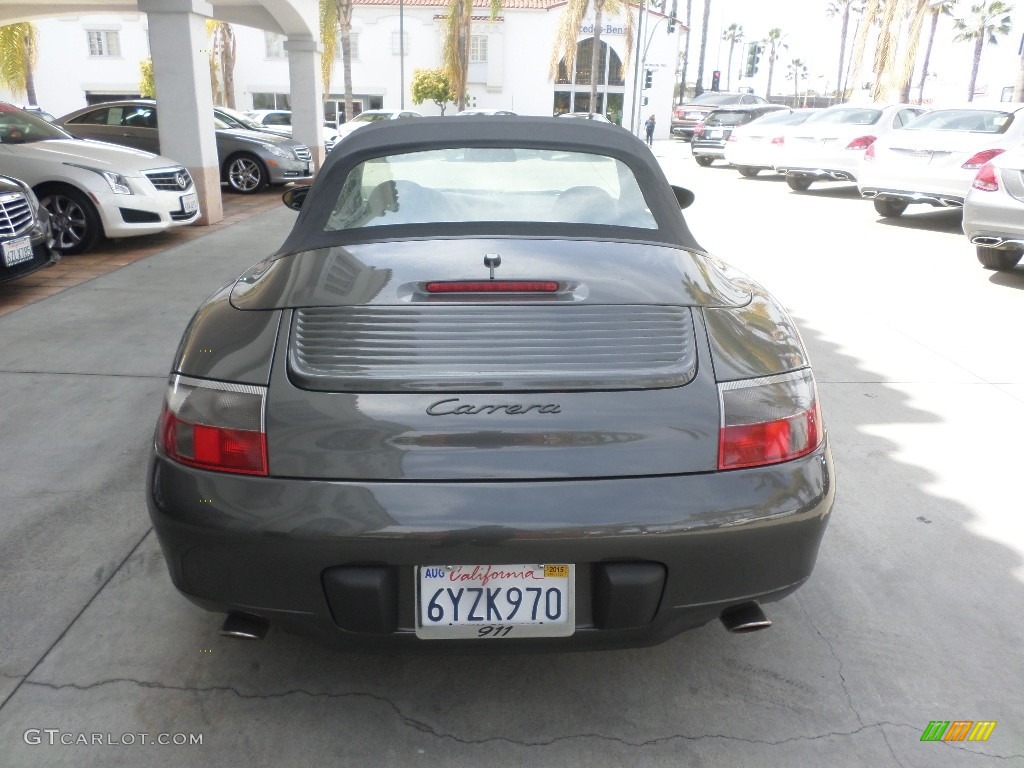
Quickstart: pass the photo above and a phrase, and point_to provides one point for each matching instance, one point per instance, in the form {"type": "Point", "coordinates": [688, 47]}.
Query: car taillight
{"type": "Point", "coordinates": [733, 137]}
{"type": "Point", "coordinates": [869, 153]}
{"type": "Point", "coordinates": [698, 129]}
{"type": "Point", "coordinates": [987, 179]}
{"type": "Point", "coordinates": [779, 140]}
{"type": "Point", "coordinates": [862, 142]}
{"type": "Point", "coordinates": [982, 157]}
{"type": "Point", "coordinates": [215, 425]}
{"type": "Point", "coordinates": [768, 420]}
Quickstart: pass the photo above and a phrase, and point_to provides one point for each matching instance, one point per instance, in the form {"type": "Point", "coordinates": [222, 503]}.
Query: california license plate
{"type": "Point", "coordinates": [495, 601]}
{"type": "Point", "coordinates": [17, 251]}
{"type": "Point", "coordinates": [190, 202]}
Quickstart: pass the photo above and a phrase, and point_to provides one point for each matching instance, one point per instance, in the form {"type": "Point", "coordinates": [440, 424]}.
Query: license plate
{"type": "Point", "coordinates": [715, 133]}
{"type": "Point", "coordinates": [190, 202]}
{"type": "Point", "coordinates": [17, 251]}
{"type": "Point", "coordinates": [495, 601]}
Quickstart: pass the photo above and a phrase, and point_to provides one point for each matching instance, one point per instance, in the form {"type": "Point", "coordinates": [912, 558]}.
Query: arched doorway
{"type": "Point", "coordinates": [572, 86]}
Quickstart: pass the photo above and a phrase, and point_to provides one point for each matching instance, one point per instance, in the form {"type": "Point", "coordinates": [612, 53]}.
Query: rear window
{"type": "Point", "coordinates": [784, 117]}
{"type": "Point", "coordinates": [847, 116]}
{"type": "Point", "coordinates": [728, 118]}
{"type": "Point", "coordinates": [973, 120]}
{"type": "Point", "coordinates": [475, 184]}
{"type": "Point", "coordinates": [717, 98]}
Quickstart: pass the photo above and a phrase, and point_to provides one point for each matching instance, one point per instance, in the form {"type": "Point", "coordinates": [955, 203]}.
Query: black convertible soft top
{"type": "Point", "coordinates": [432, 133]}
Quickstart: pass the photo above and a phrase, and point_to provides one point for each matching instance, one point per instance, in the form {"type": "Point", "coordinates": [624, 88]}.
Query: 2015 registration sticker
{"type": "Point", "coordinates": [495, 601]}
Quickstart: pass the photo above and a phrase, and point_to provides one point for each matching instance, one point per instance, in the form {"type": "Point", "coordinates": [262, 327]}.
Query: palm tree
{"type": "Point", "coordinates": [796, 71]}
{"type": "Point", "coordinates": [732, 35]}
{"type": "Point", "coordinates": [19, 46]}
{"type": "Point", "coordinates": [703, 48]}
{"type": "Point", "coordinates": [686, 52]}
{"type": "Point", "coordinates": [893, 66]}
{"type": "Point", "coordinates": [985, 23]}
{"type": "Point", "coordinates": [842, 8]}
{"type": "Point", "coordinates": [455, 52]}
{"type": "Point", "coordinates": [335, 15]}
{"type": "Point", "coordinates": [222, 58]}
{"type": "Point", "coordinates": [568, 30]}
{"type": "Point", "coordinates": [774, 43]}
{"type": "Point", "coordinates": [939, 7]}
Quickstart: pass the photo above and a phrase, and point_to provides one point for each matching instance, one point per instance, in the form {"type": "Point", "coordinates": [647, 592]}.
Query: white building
{"type": "Point", "coordinates": [89, 58]}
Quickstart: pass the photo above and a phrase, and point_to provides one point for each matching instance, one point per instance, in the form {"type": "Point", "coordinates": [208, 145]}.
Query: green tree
{"type": "Point", "coordinates": [940, 8]}
{"type": "Point", "coordinates": [775, 44]}
{"type": "Point", "coordinates": [568, 30]}
{"type": "Point", "coordinates": [984, 24]}
{"type": "Point", "coordinates": [432, 85]}
{"type": "Point", "coordinates": [335, 27]}
{"type": "Point", "coordinates": [732, 35]}
{"type": "Point", "coordinates": [147, 85]}
{"type": "Point", "coordinates": [19, 49]}
{"type": "Point", "coordinates": [455, 49]}
{"type": "Point", "coordinates": [796, 71]}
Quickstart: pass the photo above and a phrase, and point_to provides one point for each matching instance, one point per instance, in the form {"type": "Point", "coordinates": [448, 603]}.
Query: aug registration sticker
{"type": "Point", "coordinates": [495, 601]}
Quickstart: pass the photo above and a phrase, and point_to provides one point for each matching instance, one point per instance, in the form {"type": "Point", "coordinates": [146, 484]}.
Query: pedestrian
{"type": "Point", "coordinates": [650, 130]}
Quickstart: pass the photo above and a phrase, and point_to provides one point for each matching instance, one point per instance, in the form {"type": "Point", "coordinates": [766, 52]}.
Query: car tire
{"type": "Point", "coordinates": [74, 219]}
{"type": "Point", "coordinates": [246, 174]}
{"type": "Point", "coordinates": [747, 172]}
{"type": "Point", "coordinates": [890, 209]}
{"type": "Point", "coordinates": [703, 161]}
{"type": "Point", "coordinates": [992, 258]}
{"type": "Point", "coordinates": [798, 183]}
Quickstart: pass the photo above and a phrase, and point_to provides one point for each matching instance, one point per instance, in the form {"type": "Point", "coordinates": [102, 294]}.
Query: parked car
{"type": "Point", "coordinates": [686, 116]}
{"type": "Point", "coordinates": [39, 112]}
{"type": "Point", "coordinates": [595, 116]}
{"type": "Point", "coordinates": [709, 137]}
{"type": "Point", "coordinates": [830, 145]}
{"type": "Point", "coordinates": [373, 116]}
{"type": "Point", "coordinates": [277, 121]}
{"type": "Point", "coordinates": [994, 211]}
{"type": "Point", "coordinates": [484, 113]}
{"type": "Point", "coordinates": [26, 242]}
{"type": "Point", "coordinates": [490, 393]}
{"type": "Point", "coordinates": [92, 189]}
{"type": "Point", "coordinates": [935, 159]}
{"type": "Point", "coordinates": [249, 160]}
{"type": "Point", "coordinates": [757, 146]}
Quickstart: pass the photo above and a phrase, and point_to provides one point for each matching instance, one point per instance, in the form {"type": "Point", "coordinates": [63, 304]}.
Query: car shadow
{"type": "Point", "coordinates": [1011, 278]}
{"type": "Point", "coordinates": [944, 220]}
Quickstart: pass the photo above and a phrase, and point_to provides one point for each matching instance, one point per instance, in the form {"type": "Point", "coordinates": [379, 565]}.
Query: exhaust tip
{"type": "Point", "coordinates": [244, 626]}
{"type": "Point", "coordinates": [747, 617]}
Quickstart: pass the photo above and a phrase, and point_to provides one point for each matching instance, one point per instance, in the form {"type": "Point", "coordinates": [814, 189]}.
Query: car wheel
{"type": "Point", "coordinates": [74, 220]}
{"type": "Point", "coordinates": [890, 209]}
{"type": "Point", "coordinates": [798, 183]}
{"type": "Point", "coordinates": [245, 174]}
{"type": "Point", "coordinates": [991, 258]}
{"type": "Point", "coordinates": [703, 161]}
{"type": "Point", "coordinates": [747, 172]}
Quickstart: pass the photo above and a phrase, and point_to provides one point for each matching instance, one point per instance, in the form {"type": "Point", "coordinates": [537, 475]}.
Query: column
{"type": "Point", "coordinates": [306, 85]}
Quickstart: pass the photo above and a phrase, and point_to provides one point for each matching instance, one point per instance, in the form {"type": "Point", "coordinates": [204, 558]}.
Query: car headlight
{"type": "Point", "coordinates": [279, 151]}
{"type": "Point", "coordinates": [27, 191]}
{"type": "Point", "coordinates": [118, 183]}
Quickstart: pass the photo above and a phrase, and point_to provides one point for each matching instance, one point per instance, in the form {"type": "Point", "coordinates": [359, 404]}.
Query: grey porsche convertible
{"type": "Point", "coordinates": [490, 394]}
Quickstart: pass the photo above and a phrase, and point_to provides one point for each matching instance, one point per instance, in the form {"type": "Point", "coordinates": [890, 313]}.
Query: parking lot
{"type": "Point", "coordinates": [911, 616]}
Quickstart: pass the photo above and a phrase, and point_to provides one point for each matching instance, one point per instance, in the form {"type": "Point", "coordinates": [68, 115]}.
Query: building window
{"type": "Point", "coordinates": [478, 49]}
{"type": "Point", "coordinates": [270, 101]}
{"type": "Point", "coordinates": [397, 43]}
{"type": "Point", "coordinates": [353, 45]}
{"type": "Point", "coordinates": [274, 45]}
{"type": "Point", "coordinates": [104, 42]}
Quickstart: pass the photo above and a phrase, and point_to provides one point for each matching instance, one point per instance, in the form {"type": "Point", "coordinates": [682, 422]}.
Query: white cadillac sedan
{"type": "Point", "coordinates": [831, 144]}
{"type": "Point", "coordinates": [994, 211]}
{"type": "Point", "coordinates": [90, 188]}
{"type": "Point", "coordinates": [757, 146]}
{"type": "Point", "coordinates": [934, 159]}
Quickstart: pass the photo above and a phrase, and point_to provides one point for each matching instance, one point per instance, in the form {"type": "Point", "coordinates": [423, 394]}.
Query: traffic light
{"type": "Point", "coordinates": [648, 78]}
{"type": "Point", "coordinates": [753, 57]}
{"type": "Point", "coordinates": [716, 80]}
{"type": "Point", "coordinates": [644, 102]}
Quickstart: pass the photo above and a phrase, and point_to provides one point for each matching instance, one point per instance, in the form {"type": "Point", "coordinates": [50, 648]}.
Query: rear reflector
{"type": "Point", "coordinates": [768, 420]}
{"type": "Point", "coordinates": [862, 142]}
{"type": "Point", "coordinates": [987, 179]}
{"type": "Point", "coordinates": [779, 140]}
{"type": "Point", "coordinates": [215, 425]}
{"type": "Point", "coordinates": [982, 157]}
{"type": "Point", "coordinates": [493, 286]}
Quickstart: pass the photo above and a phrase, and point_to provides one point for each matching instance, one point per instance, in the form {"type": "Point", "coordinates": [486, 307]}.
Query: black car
{"type": "Point", "coordinates": [709, 137]}
{"type": "Point", "coordinates": [25, 237]}
{"type": "Point", "coordinates": [490, 393]}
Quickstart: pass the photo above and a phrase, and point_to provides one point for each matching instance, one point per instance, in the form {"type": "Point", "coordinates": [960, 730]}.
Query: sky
{"type": "Point", "coordinates": [814, 38]}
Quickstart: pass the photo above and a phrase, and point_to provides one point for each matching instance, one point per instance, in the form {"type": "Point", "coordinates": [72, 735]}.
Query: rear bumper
{"type": "Point", "coordinates": [708, 149]}
{"type": "Point", "coordinates": [938, 199]}
{"type": "Point", "coordinates": [818, 174]}
{"type": "Point", "coordinates": [268, 546]}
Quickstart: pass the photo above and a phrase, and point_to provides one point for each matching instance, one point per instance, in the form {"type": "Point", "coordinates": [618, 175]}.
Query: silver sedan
{"type": "Point", "coordinates": [994, 211]}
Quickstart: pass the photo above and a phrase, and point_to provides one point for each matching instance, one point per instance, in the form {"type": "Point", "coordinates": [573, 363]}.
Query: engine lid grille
{"type": "Point", "coordinates": [491, 348]}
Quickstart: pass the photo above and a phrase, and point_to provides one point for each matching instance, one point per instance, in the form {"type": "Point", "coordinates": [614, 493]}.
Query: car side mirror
{"type": "Point", "coordinates": [296, 196]}
{"type": "Point", "coordinates": [684, 196]}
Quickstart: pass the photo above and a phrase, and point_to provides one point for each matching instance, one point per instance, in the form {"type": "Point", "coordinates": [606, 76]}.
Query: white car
{"type": "Point", "coordinates": [372, 116]}
{"type": "Point", "coordinates": [935, 158]}
{"type": "Point", "coordinates": [994, 211]}
{"type": "Point", "coordinates": [757, 146]}
{"type": "Point", "coordinates": [277, 121]}
{"type": "Point", "coordinates": [830, 145]}
{"type": "Point", "coordinates": [90, 188]}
